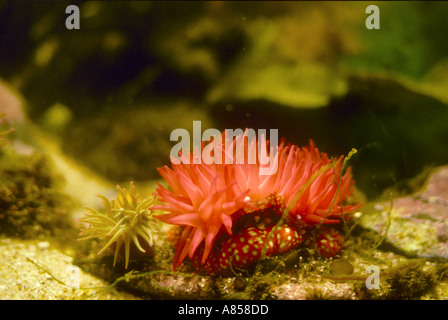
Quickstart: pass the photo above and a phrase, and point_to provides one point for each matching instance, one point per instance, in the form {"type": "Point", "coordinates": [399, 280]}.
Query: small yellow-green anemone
{"type": "Point", "coordinates": [126, 218]}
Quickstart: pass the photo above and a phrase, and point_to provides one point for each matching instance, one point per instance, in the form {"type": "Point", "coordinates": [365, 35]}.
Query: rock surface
{"type": "Point", "coordinates": [31, 270]}
{"type": "Point", "coordinates": [416, 225]}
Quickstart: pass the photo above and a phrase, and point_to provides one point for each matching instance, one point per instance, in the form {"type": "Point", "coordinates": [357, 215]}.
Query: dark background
{"type": "Point", "coordinates": [114, 89]}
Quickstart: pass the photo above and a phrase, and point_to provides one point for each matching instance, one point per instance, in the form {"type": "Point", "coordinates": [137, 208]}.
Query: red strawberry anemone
{"type": "Point", "coordinates": [299, 187]}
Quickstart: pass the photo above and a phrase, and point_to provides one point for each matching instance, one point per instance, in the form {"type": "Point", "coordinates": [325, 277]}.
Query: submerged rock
{"type": "Point", "coordinates": [31, 204]}
{"type": "Point", "coordinates": [415, 225]}
{"type": "Point", "coordinates": [30, 273]}
{"type": "Point", "coordinates": [124, 146]}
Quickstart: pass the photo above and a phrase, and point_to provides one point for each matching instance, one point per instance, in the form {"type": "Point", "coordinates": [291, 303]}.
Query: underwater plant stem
{"type": "Point", "coordinates": [288, 208]}
{"type": "Point", "coordinates": [301, 190]}
{"type": "Point", "coordinates": [46, 271]}
{"type": "Point", "coordinates": [127, 277]}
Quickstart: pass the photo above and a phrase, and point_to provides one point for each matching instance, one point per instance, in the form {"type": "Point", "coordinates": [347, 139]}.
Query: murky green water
{"type": "Point", "coordinates": [94, 95]}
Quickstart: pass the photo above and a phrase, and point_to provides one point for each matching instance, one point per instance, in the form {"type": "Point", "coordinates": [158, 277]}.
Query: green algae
{"type": "Point", "coordinates": [30, 204]}
{"type": "Point", "coordinates": [408, 281]}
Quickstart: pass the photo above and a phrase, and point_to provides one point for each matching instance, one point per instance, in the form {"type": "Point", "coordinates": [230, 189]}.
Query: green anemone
{"type": "Point", "coordinates": [126, 219]}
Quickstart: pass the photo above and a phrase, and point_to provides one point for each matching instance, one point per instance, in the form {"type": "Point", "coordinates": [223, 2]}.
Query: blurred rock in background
{"type": "Point", "coordinates": [113, 90]}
